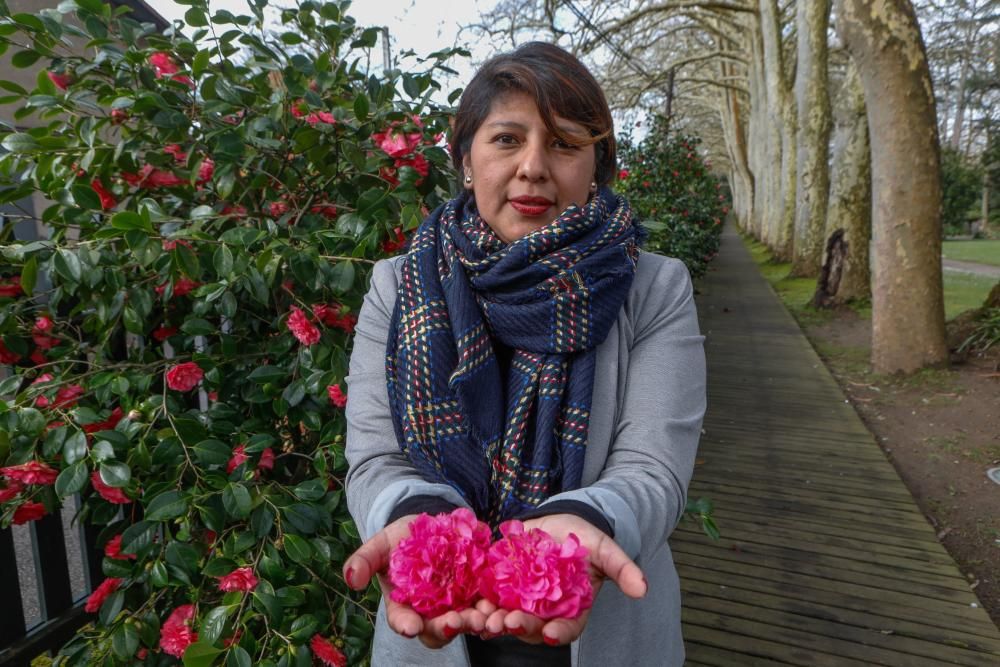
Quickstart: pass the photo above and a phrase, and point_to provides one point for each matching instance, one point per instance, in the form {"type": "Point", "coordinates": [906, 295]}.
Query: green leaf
{"type": "Point", "coordinates": [297, 548]}
{"type": "Point", "coordinates": [361, 107]}
{"type": "Point", "coordinates": [214, 624]}
{"type": "Point", "coordinates": [265, 374]}
{"type": "Point", "coordinates": [196, 18]}
{"type": "Point", "coordinates": [223, 261]}
{"type": "Point", "coordinates": [312, 489]}
{"type": "Point", "coordinates": [111, 607]}
{"type": "Point", "coordinates": [137, 537]}
{"type": "Point", "coordinates": [68, 265]}
{"type": "Point", "coordinates": [167, 505]}
{"type": "Point", "coordinates": [127, 220]}
{"type": "Point", "coordinates": [72, 479]}
{"type": "Point", "coordinates": [75, 447]}
{"type": "Point", "coordinates": [133, 322]}
{"type": "Point", "coordinates": [20, 142]}
{"type": "Point", "coordinates": [23, 59]}
{"type": "Point", "coordinates": [236, 500]}
{"type": "Point", "coordinates": [238, 657]}
{"type": "Point", "coordinates": [158, 574]}
{"type": "Point", "coordinates": [212, 452]}
{"type": "Point", "coordinates": [198, 327]}
{"type": "Point", "coordinates": [125, 641]}
{"type": "Point", "coordinates": [200, 654]}
{"type": "Point", "coordinates": [200, 63]}
{"type": "Point", "coordinates": [85, 197]}
{"type": "Point", "coordinates": [9, 385]}
{"type": "Point", "coordinates": [261, 521]}
{"type": "Point", "coordinates": [115, 473]}
{"type": "Point", "coordinates": [29, 276]}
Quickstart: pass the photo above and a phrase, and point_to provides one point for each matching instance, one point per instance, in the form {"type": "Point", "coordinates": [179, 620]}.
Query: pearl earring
{"type": "Point", "coordinates": [468, 179]}
{"type": "Point", "coordinates": [593, 186]}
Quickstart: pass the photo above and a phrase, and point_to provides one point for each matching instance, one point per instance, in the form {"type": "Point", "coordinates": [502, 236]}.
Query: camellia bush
{"type": "Point", "coordinates": [175, 344]}
{"type": "Point", "coordinates": [679, 200]}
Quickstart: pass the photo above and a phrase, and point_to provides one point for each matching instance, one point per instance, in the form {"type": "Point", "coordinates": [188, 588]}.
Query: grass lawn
{"type": "Point", "coordinates": [979, 251]}
{"type": "Point", "coordinates": [962, 291]}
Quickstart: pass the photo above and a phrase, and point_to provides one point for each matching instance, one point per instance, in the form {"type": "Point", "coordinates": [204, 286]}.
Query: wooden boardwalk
{"type": "Point", "coordinates": [825, 559]}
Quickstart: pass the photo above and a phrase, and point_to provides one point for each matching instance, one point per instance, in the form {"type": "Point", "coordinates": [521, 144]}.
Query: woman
{"type": "Point", "coordinates": [525, 360]}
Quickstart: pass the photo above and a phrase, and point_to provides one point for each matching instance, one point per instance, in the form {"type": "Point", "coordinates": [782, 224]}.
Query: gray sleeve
{"type": "Point", "coordinates": [642, 489]}
{"type": "Point", "coordinates": [379, 476]}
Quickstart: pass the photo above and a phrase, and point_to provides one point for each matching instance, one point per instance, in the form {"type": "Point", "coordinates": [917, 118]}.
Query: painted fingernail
{"type": "Point", "coordinates": [407, 634]}
{"type": "Point", "coordinates": [450, 632]}
{"type": "Point", "coordinates": [551, 641]}
{"type": "Point", "coordinates": [486, 636]}
{"type": "Point", "coordinates": [517, 632]}
{"type": "Point", "coordinates": [349, 577]}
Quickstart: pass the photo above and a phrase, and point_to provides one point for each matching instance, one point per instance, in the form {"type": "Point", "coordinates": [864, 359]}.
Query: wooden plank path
{"type": "Point", "coordinates": [825, 559]}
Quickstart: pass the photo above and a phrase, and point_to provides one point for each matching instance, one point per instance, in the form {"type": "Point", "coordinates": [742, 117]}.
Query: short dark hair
{"type": "Point", "coordinates": [560, 85]}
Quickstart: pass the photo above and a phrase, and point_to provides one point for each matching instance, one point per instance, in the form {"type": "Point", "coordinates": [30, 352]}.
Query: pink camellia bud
{"type": "Point", "coordinates": [118, 116]}
{"type": "Point", "coordinates": [61, 81]}
{"type": "Point", "coordinates": [101, 593]}
{"type": "Point", "coordinates": [337, 396]}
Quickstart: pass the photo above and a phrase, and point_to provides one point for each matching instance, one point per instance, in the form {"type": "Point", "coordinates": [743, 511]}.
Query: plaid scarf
{"type": "Point", "coordinates": [551, 296]}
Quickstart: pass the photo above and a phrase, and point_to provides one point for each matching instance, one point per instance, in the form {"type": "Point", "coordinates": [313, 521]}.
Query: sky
{"type": "Point", "coordinates": [424, 26]}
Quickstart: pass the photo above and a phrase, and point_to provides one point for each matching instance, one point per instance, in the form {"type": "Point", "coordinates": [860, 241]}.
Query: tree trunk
{"type": "Point", "coordinates": [731, 110]}
{"type": "Point", "coordinates": [956, 128]}
{"type": "Point", "coordinates": [849, 210]}
{"type": "Point", "coordinates": [883, 38]}
{"type": "Point", "coordinates": [812, 185]}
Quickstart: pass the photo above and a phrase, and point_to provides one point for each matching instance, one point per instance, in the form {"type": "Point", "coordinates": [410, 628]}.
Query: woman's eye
{"type": "Point", "coordinates": [559, 143]}
{"type": "Point", "coordinates": [505, 139]}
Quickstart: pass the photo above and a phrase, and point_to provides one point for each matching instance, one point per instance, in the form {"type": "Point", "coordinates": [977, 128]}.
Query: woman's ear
{"type": "Point", "coordinates": [466, 172]}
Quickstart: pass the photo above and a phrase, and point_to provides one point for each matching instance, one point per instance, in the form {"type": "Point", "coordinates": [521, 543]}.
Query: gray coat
{"type": "Point", "coordinates": [648, 403]}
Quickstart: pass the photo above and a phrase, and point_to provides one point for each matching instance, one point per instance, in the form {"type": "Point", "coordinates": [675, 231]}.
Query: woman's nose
{"type": "Point", "coordinates": [534, 163]}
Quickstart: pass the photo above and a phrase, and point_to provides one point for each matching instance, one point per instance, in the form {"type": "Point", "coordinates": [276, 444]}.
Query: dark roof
{"type": "Point", "coordinates": [142, 12]}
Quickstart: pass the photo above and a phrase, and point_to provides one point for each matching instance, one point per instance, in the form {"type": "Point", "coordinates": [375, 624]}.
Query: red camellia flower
{"type": "Point", "coordinates": [101, 593]}
{"type": "Point", "coordinates": [305, 331]}
{"type": "Point", "coordinates": [118, 116]}
{"type": "Point", "coordinates": [205, 171]}
{"type": "Point", "coordinates": [61, 81]}
{"type": "Point", "coordinates": [328, 211]}
{"type": "Point", "coordinates": [277, 209]}
{"type": "Point", "coordinates": [327, 653]}
{"type": "Point", "coordinates": [337, 397]}
{"type": "Point", "coordinates": [321, 117]}
{"type": "Point", "coordinates": [165, 66]}
{"type": "Point", "coordinates": [437, 567]}
{"type": "Point", "coordinates": [182, 286]}
{"type": "Point", "coordinates": [241, 579]}
{"type": "Point", "coordinates": [175, 150]}
{"type": "Point", "coordinates": [112, 494]}
{"type": "Point", "coordinates": [113, 549]}
{"type": "Point", "coordinates": [32, 472]}
{"type": "Point", "coordinates": [43, 324]}
{"type": "Point", "coordinates": [38, 357]}
{"type": "Point", "coordinates": [397, 144]}
{"type": "Point", "coordinates": [622, 174]}
{"type": "Point", "coordinates": [45, 342]}
{"type": "Point", "coordinates": [237, 211]}
{"type": "Point", "coordinates": [184, 377]}
{"type": "Point", "coordinates": [8, 356]}
{"type": "Point", "coordinates": [238, 458]}
{"type": "Point", "coordinates": [531, 571]}
{"type": "Point", "coordinates": [11, 490]}
{"type": "Point", "coordinates": [11, 287]}
{"type": "Point", "coordinates": [163, 332]}
{"type": "Point", "coordinates": [266, 460]}
{"type": "Point", "coordinates": [28, 512]}
{"type": "Point", "coordinates": [395, 243]}
{"type": "Point", "coordinates": [106, 425]}
{"type": "Point", "coordinates": [176, 634]}
{"type": "Point", "coordinates": [108, 200]}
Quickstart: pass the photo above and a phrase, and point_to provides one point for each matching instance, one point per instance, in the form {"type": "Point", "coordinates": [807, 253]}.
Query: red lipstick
{"type": "Point", "coordinates": [531, 206]}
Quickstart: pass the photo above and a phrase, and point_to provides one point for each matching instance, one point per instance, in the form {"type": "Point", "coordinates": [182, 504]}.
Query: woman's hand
{"type": "Point", "coordinates": [607, 560]}
{"type": "Point", "coordinates": [372, 559]}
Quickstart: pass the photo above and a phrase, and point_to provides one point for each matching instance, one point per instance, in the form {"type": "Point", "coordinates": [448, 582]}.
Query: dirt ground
{"type": "Point", "coordinates": [941, 429]}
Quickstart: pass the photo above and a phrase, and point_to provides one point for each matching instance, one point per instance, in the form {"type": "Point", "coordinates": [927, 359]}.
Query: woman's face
{"type": "Point", "coordinates": [522, 175]}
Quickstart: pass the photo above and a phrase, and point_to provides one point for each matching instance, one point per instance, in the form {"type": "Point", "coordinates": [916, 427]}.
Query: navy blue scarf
{"type": "Point", "coordinates": [551, 296]}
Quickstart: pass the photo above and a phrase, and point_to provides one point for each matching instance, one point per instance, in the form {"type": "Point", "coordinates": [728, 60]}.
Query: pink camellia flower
{"type": "Point", "coordinates": [32, 472]}
{"type": "Point", "coordinates": [206, 170]}
{"type": "Point", "coordinates": [397, 144]}
{"type": "Point", "coordinates": [181, 286]}
{"type": "Point", "coordinates": [67, 396]}
{"type": "Point", "coordinates": [236, 211]}
{"type": "Point", "coordinates": [417, 162]}
{"type": "Point", "coordinates": [118, 116]}
{"type": "Point", "coordinates": [11, 287]}
{"type": "Point", "coordinates": [321, 117]}
{"type": "Point", "coordinates": [437, 568]}
{"type": "Point", "coordinates": [28, 512]}
{"type": "Point", "coordinates": [45, 342]}
{"type": "Point", "coordinates": [305, 331]}
{"type": "Point", "coordinates": [108, 200]}
{"type": "Point", "coordinates": [337, 397]}
{"type": "Point", "coordinates": [277, 209]}
{"type": "Point", "coordinates": [328, 654]}
{"type": "Point", "coordinates": [334, 316]}
{"type": "Point", "coordinates": [176, 634]}
{"type": "Point", "coordinates": [112, 494]}
{"type": "Point", "coordinates": [622, 174]}
{"type": "Point", "coordinates": [163, 332]}
{"type": "Point", "coordinates": [151, 177]}
{"type": "Point", "coordinates": [531, 571]}
{"type": "Point", "coordinates": [38, 357]}
{"type": "Point", "coordinates": [61, 81]}
{"type": "Point", "coordinates": [241, 579]}
{"type": "Point", "coordinates": [101, 593]}
{"type": "Point", "coordinates": [43, 324]}
{"type": "Point", "coordinates": [238, 458]}
{"type": "Point", "coordinates": [184, 377]}
{"type": "Point", "coordinates": [113, 549]}
{"type": "Point", "coordinates": [328, 211]}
